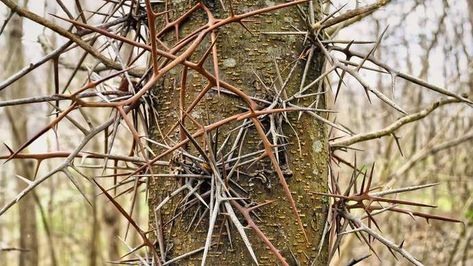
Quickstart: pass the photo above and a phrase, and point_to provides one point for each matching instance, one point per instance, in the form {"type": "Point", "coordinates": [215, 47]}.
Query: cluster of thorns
{"type": "Point", "coordinates": [216, 164]}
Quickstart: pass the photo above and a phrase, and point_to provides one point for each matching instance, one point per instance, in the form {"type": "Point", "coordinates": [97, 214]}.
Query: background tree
{"type": "Point", "coordinates": [17, 118]}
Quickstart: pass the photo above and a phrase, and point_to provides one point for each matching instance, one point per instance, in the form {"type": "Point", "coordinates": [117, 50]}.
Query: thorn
{"type": "Point", "coordinates": [213, 38]}
{"type": "Point", "coordinates": [8, 148]}
{"type": "Point", "coordinates": [356, 261]}
{"type": "Point", "coordinates": [232, 12]}
{"type": "Point", "coordinates": [402, 244]}
{"type": "Point", "coordinates": [246, 28]}
{"type": "Point", "coordinates": [24, 179]}
{"type": "Point", "coordinates": [38, 164]}
{"type": "Point", "coordinates": [392, 253]}
{"type": "Point", "coordinates": [396, 139]}
{"type": "Point", "coordinates": [260, 205]}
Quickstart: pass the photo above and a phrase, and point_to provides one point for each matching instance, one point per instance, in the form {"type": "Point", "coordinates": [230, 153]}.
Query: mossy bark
{"type": "Point", "coordinates": [241, 55]}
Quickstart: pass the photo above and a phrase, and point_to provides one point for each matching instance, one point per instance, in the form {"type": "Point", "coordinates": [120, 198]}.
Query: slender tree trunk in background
{"type": "Point", "coordinates": [470, 62]}
{"type": "Point", "coordinates": [47, 230]}
{"type": "Point", "coordinates": [93, 246]}
{"type": "Point", "coordinates": [94, 233]}
{"type": "Point", "coordinates": [3, 182]}
{"type": "Point", "coordinates": [241, 55]}
{"type": "Point", "coordinates": [135, 238]}
{"type": "Point", "coordinates": [112, 224]}
{"type": "Point", "coordinates": [46, 212]}
{"type": "Point", "coordinates": [18, 118]}
{"type": "Point", "coordinates": [468, 171]}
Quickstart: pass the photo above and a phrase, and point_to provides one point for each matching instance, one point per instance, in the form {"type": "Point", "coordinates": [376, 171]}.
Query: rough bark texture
{"type": "Point", "coordinates": [241, 54]}
{"type": "Point", "coordinates": [18, 118]}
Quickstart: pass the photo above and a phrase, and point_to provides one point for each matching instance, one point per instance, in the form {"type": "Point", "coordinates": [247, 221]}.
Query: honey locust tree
{"type": "Point", "coordinates": [252, 172]}
{"type": "Point", "coordinates": [222, 106]}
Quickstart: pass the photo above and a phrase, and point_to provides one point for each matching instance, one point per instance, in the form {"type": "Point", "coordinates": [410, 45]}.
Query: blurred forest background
{"type": "Point", "coordinates": [430, 39]}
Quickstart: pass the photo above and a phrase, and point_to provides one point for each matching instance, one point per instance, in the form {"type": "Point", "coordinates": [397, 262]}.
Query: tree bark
{"type": "Point", "coordinates": [470, 62]}
{"type": "Point", "coordinates": [112, 225]}
{"type": "Point", "coordinates": [241, 55]}
{"type": "Point", "coordinates": [18, 119]}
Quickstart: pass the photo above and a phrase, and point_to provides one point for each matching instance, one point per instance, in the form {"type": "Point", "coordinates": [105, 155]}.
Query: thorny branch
{"type": "Point", "coordinates": [389, 130]}
{"type": "Point", "coordinates": [214, 166]}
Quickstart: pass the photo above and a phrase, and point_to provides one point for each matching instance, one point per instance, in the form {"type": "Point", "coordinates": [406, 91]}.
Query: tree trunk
{"type": "Point", "coordinates": [470, 62]}
{"type": "Point", "coordinates": [94, 234]}
{"type": "Point", "coordinates": [18, 118]}
{"type": "Point", "coordinates": [241, 55]}
{"type": "Point", "coordinates": [112, 225]}
{"type": "Point", "coordinates": [3, 224]}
